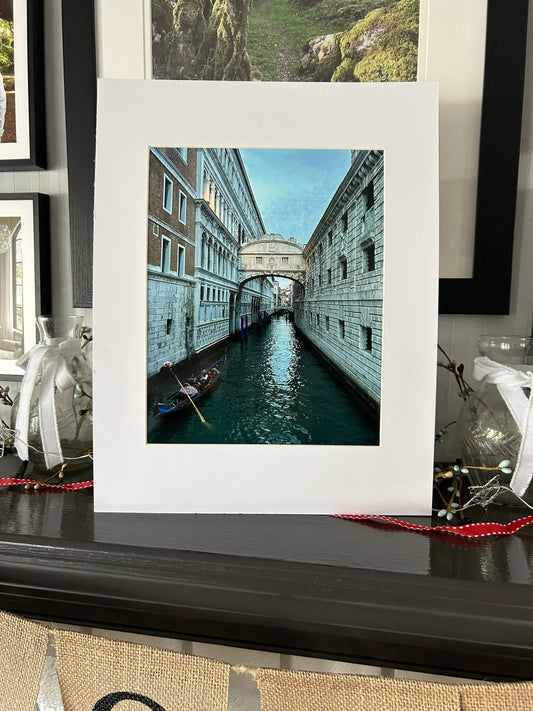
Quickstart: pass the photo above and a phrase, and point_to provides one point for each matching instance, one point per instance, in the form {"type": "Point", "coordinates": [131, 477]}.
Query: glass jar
{"type": "Point", "coordinates": [52, 414]}
{"type": "Point", "coordinates": [487, 431]}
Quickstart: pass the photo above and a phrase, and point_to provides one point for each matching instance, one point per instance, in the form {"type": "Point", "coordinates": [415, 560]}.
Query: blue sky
{"type": "Point", "coordinates": [293, 187]}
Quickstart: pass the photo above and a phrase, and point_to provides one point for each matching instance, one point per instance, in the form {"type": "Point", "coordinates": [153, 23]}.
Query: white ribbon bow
{"type": "Point", "coordinates": [50, 361]}
{"type": "Point", "coordinates": [511, 383]}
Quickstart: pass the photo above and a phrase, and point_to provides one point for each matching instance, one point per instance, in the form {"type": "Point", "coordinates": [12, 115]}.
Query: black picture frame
{"type": "Point", "coordinates": [486, 292]}
{"type": "Point", "coordinates": [42, 283]}
{"type": "Point", "coordinates": [36, 158]}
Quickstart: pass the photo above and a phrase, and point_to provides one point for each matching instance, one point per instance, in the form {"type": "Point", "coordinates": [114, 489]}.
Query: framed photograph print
{"type": "Point", "coordinates": [481, 107]}
{"type": "Point", "coordinates": [24, 274]}
{"type": "Point", "coordinates": [22, 112]}
{"type": "Point", "coordinates": [281, 287]}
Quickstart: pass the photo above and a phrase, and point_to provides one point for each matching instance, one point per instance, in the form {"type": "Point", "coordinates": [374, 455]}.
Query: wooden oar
{"type": "Point", "coordinates": [202, 418]}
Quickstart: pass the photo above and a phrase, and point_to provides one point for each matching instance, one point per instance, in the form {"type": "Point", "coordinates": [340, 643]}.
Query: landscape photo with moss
{"type": "Point", "coordinates": [285, 40]}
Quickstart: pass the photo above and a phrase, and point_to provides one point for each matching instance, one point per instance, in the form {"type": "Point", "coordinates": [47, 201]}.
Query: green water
{"type": "Point", "coordinates": [274, 390]}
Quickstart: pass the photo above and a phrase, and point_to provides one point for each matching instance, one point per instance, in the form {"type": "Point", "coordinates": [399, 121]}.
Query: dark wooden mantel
{"type": "Point", "coordinates": [306, 585]}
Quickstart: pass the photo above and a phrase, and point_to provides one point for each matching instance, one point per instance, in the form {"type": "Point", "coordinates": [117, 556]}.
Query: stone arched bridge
{"type": "Point", "coordinates": [272, 255]}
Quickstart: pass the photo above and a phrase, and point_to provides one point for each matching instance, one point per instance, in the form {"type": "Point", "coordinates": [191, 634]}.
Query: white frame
{"type": "Point", "coordinates": [394, 477]}
{"type": "Point", "coordinates": [25, 209]}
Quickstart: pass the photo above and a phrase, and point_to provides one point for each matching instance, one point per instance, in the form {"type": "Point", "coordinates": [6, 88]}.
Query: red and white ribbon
{"type": "Point", "coordinates": [78, 486]}
{"type": "Point", "coordinates": [467, 530]}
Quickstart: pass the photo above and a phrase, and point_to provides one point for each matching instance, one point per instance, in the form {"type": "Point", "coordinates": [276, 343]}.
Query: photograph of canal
{"type": "Point", "coordinates": [265, 296]}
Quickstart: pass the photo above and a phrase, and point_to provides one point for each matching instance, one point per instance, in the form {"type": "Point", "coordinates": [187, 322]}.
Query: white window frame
{"type": "Point", "coordinates": [182, 208]}
{"type": "Point", "coordinates": [181, 260]}
{"type": "Point", "coordinates": [167, 182]}
{"type": "Point", "coordinates": [166, 241]}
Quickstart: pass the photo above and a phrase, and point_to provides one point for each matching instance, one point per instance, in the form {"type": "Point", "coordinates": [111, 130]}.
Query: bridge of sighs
{"type": "Point", "coordinates": [272, 255]}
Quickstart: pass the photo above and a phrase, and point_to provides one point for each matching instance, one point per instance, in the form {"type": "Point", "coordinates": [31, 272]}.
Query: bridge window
{"type": "Point", "coordinates": [259, 260]}
{"type": "Point", "coordinates": [168, 189]}
{"type": "Point", "coordinates": [284, 260]}
{"type": "Point", "coordinates": [344, 267]}
{"type": "Point", "coordinates": [345, 221]}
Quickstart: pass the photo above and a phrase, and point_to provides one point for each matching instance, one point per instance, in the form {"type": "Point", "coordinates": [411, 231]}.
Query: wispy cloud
{"type": "Point", "coordinates": [293, 187]}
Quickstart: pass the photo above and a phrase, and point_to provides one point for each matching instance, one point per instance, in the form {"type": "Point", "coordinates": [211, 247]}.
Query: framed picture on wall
{"type": "Point", "coordinates": [478, 192]}
{"type": "Point", "coordinates": [24, 274]}
{"type": "Point", "coordinates": [22, 105]}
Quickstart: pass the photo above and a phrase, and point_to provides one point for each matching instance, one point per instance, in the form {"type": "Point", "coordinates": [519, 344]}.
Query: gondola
{"type": "Point", "coordinates": [176, 401]}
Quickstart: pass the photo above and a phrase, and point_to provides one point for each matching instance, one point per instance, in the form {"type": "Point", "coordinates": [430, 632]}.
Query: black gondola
{"type": "Point", "coordinates": [178, 401]}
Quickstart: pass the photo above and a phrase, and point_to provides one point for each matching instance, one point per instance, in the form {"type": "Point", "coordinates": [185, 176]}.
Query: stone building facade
{"type": "Point", "coordinates": [340, 309]}
{"type": "Point", "coordinates": [201, 210]}
{"type": "Point", "coordinates": [227, 217]}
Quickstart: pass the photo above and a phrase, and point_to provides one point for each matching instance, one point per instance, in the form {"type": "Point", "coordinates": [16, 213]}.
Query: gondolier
{"type": "Point", "coordinates": [187, 395]}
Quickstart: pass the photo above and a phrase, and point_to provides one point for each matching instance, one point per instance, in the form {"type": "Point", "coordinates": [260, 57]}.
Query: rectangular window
{"type": "Point", "coordinates": [366, 338]}
{"type": "Point", "coordinates": [208, 293]}
{"type": "Point", "coordinates": [320, 280]}
{"type": "Point", "coordinates": [370, 257]}
{"type": "Point", "coordinates": [329, 276]}
{"type": "Point", "coordinates": [183, 208]}
{"type": "Point", "coordinates": [327, 323]}
{"type": "Point", "coordinates": [155, 228]}
{"type": "Point", "coordinates": [202, 292]}
{"type": "Point", "coordinates": [284, 260]}
{"type": "Point", "coordinates": [344, 267]}
{"type": "Point", "coordinates": [368, 194]}
{"type": "Point", "coordinates": [330, 238]}
{"type": "Point", "coordinates": [168, 189]}
{"type": "Point", "coordinates": [342, 329]}
{"type": "Point", "coordinates": [181, 260]}
{"type": "Point", "coordinates": [169, 326]}
{"type": "Point", "coordinates": [318, 320]}
{"type": "Point", "coordinates": [345, 221]}
{"type": "Point", "coordinates": [165, 254]}
{"type": "Point", "coordinates": [259, 260]}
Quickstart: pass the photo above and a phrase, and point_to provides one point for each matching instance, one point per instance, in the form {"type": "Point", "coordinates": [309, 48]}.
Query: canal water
{"type": "Point", "coordinates": [274, 390]}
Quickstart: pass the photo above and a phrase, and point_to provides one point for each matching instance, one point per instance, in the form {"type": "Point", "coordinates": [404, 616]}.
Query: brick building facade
{"type": "Point", "coordinates": [171, 254]}
{"type": "Point", "coordinates": [341, 308]}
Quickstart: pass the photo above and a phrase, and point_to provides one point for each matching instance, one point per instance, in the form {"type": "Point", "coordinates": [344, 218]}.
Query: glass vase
{"type": "Point", "coordinates": [487, 431]}
{"type": "Point", "coordinates": [58, 426]}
